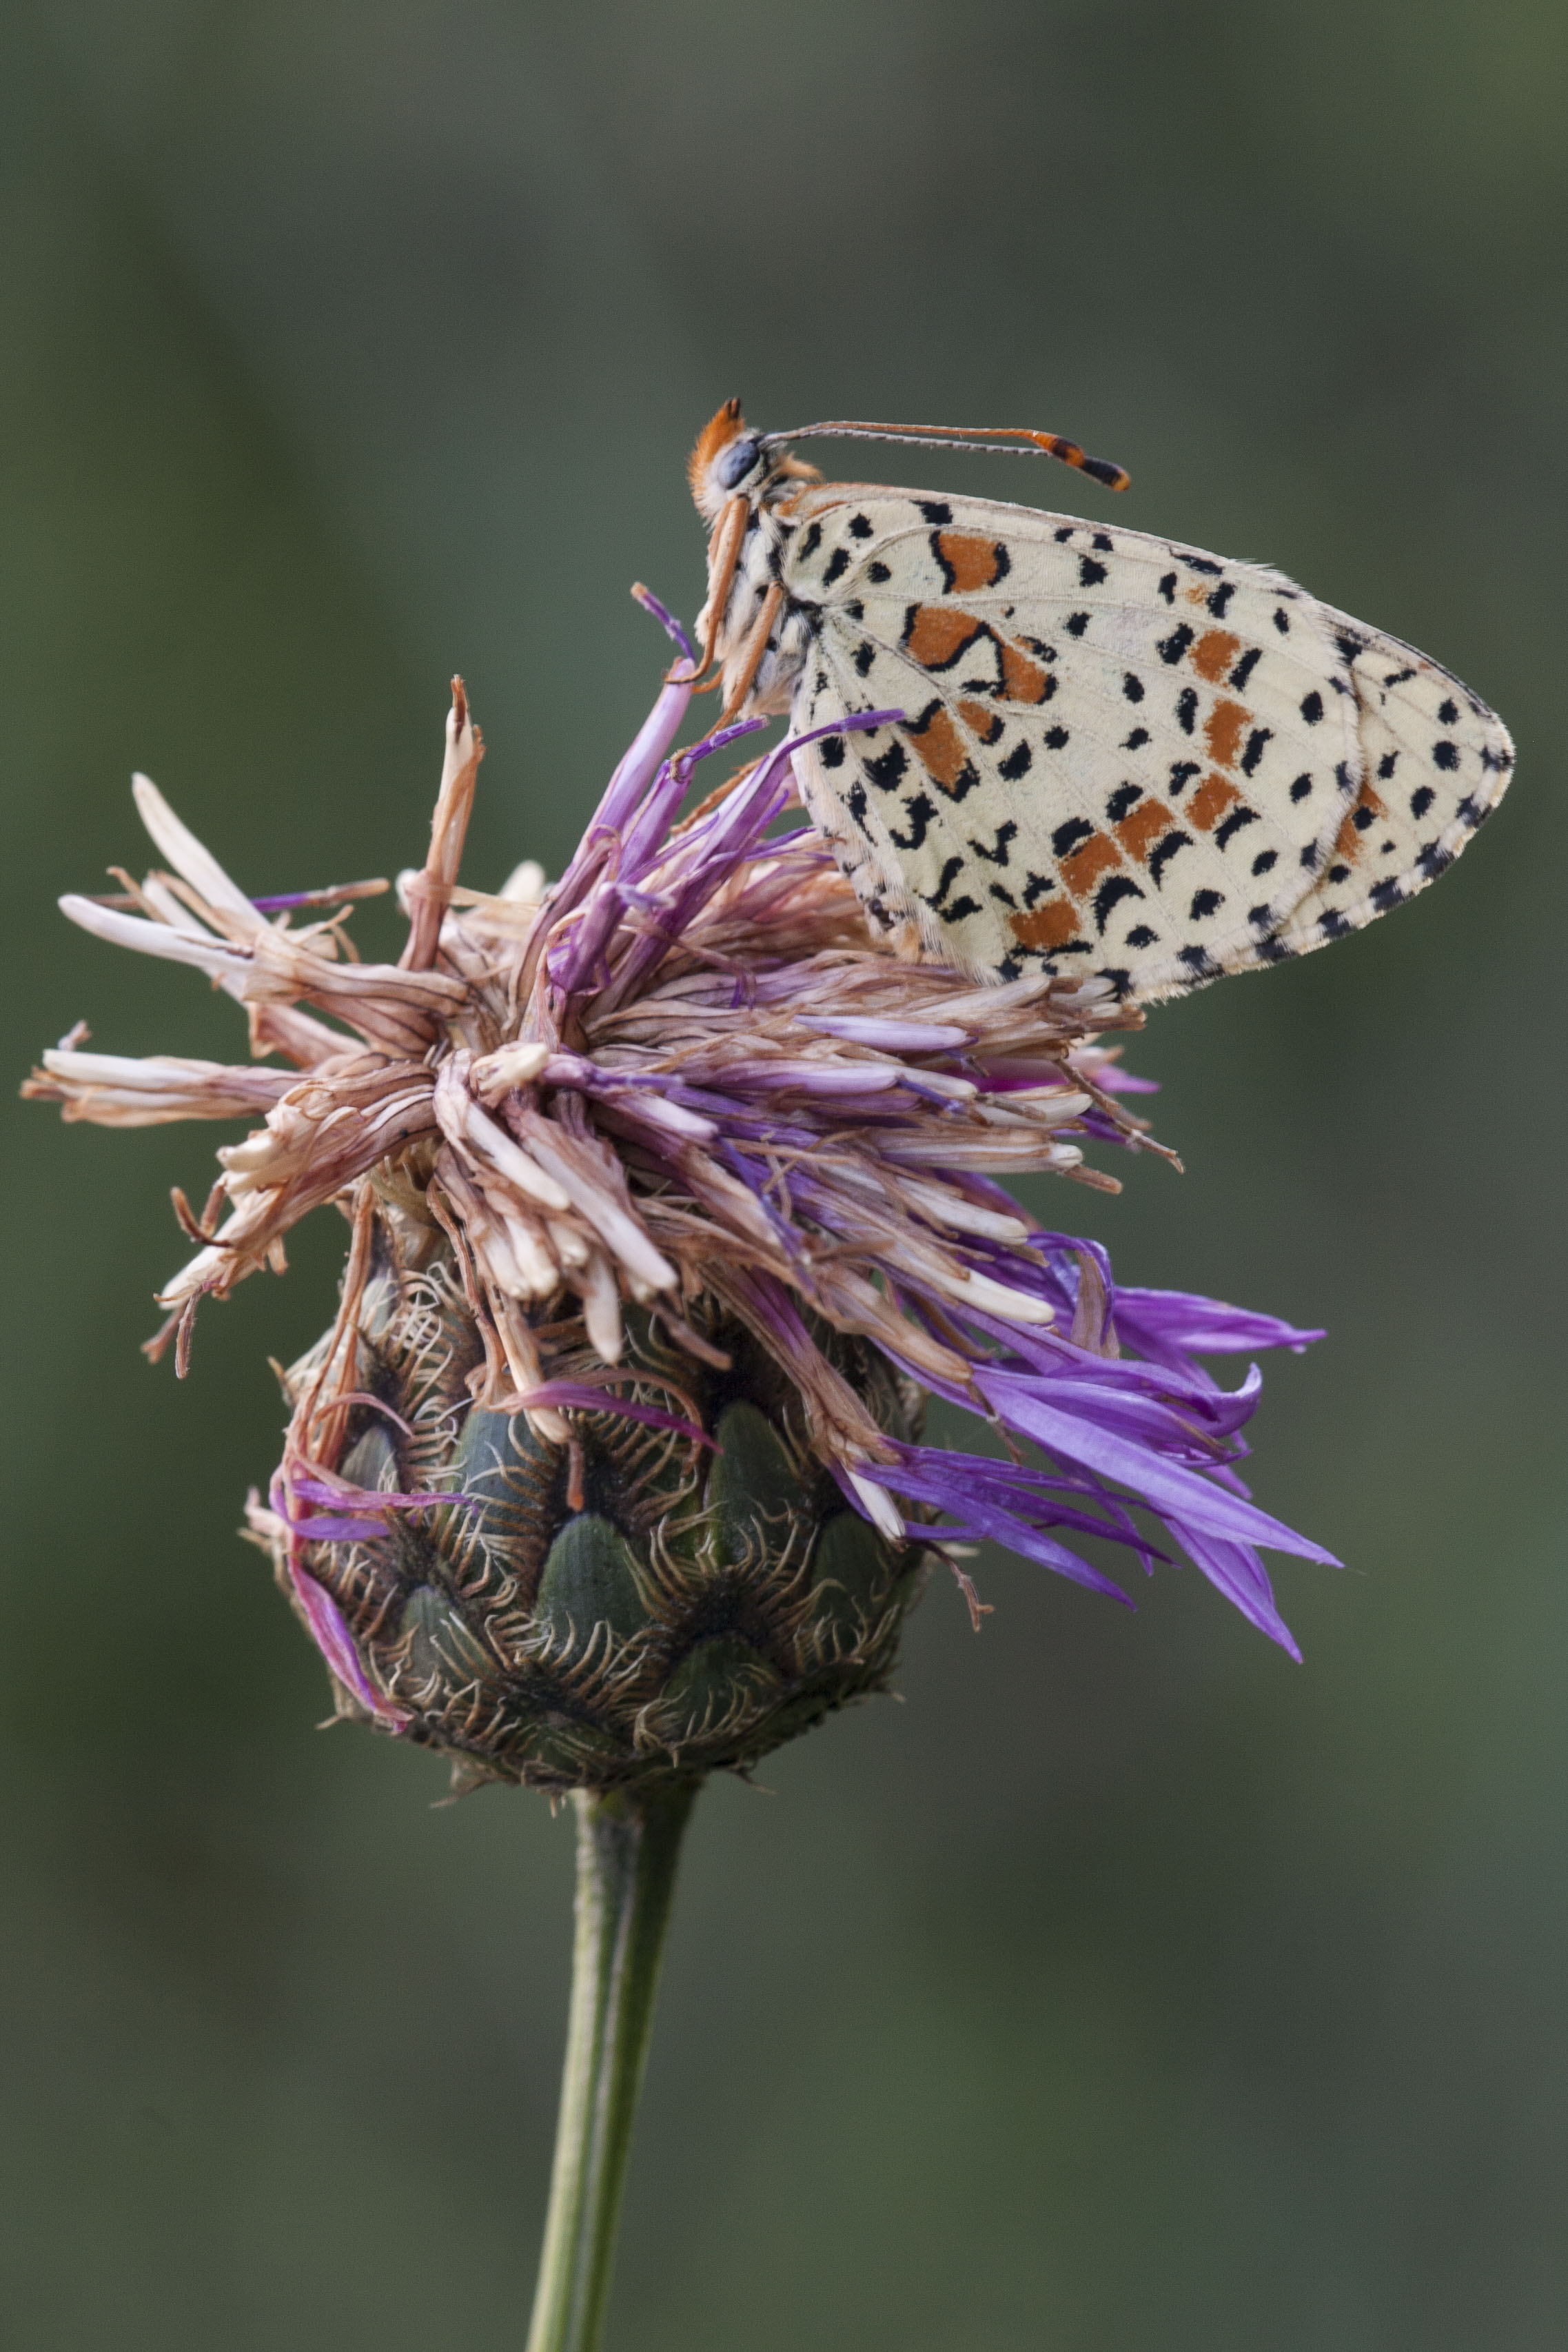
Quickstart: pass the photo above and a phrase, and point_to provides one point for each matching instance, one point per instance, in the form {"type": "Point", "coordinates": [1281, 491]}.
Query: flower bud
{"type": "Point", "coordinates": [677, 1592]}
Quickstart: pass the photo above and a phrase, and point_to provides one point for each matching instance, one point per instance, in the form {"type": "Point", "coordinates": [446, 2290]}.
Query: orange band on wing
{"type": "Point", "coordinates": [1046, 927]}
{"type": "Point", "coordinates": [1024, 680]}
{"type": "Point", "coordinates": [1222, 732]}
{"type": "Point", "coordinates": [936, 638]}
{"type": "Point", "coordinates": [1084, 868]}
{"type": "Point", "coordinates": [942, 750]}
{"type": "Point", "coordinates": [1209, 803]}
{"type": "Point", "coordinates": [1214, 653]}
{"type": "Point", "coordinates": [1139, 831]}
{"type": "Point", "coordinates": [969, 561]}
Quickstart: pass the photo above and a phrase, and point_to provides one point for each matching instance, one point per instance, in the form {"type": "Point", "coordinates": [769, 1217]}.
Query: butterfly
{"type": "Point", "coordinates": [1104, 753]}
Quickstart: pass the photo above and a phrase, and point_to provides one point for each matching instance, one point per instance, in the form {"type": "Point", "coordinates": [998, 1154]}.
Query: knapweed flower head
{"type": "Point", "coordinates": [673, 1192]}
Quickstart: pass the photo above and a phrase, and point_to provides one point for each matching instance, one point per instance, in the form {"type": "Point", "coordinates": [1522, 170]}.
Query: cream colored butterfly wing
{"type": "Point", "coordinates": [1437, 762]}
{"type": "Point", "coordinates": [1119, 755]}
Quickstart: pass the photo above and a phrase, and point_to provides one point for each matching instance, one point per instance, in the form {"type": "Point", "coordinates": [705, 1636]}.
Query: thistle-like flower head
{"type": "Point", "coordinates": [672, 1191]}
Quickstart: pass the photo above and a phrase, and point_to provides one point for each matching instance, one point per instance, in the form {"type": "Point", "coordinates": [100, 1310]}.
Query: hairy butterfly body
{"type": "Point", "coordinates": [1118, 756]}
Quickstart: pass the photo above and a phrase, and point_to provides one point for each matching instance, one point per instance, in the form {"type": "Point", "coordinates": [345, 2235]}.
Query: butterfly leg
{"type": "Point", "coordinates": [756, 647]}
{"type": "Point", "coordinates": [724, 555]}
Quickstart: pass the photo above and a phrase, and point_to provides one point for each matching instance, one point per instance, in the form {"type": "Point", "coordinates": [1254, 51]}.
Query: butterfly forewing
{"type": "Point", "coordinates": [1119, 755]}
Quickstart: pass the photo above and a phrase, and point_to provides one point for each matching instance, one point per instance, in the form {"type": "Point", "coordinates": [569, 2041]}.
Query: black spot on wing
{"type": "Point", "coordinates": [934, 510]}
{"type": "Point", "coordinates": [1226, 833]}
{"type": "Point", "coordinates": [997, 854]}
{"type": "Point", "coordinates": [861, 526]}
{"type": "Point", "coordinates": [951, 870]}
{"type": "Point", "coordinates": [887, 768]}
{"type": "Point", "coordinates": [1018, 763]}
{"type": "Point", "coordinates": [1109, 894]}
{"type": "Point", "coordinates": [919, 810]}
{"type": "Point", "coordinates": [838, 564]}
{"type": "Point", "coordinates": [878, 572]}
{"type": "Point", "coordinates": [1165, 849]}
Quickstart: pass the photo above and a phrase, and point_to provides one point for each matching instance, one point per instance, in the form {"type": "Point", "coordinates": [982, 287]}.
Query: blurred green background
{"type": "Point", "coordinates": [1127, 1989]}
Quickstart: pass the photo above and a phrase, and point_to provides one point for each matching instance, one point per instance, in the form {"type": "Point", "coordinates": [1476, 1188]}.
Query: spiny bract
{"type": "Point", "coordinates": [610, 1611]}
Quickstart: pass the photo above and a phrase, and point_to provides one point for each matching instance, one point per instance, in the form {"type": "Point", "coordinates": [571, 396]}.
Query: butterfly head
{"type": "Point", "coordinates": [731, 458]}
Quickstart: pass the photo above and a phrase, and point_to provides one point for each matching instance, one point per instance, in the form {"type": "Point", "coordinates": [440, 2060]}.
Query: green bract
{"type": "Point", "coordinates": [628, 1605]}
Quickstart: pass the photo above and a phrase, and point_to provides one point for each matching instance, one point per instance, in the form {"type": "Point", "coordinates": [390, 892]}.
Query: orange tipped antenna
{"type": "Point", "coordinates": [986, 440]}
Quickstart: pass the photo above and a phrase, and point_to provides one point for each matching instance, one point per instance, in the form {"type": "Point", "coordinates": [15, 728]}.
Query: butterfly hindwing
{"type": "Point", "coordinates": [1437, 762]}
{"type": "Point", "coordinates": [1119, 755]}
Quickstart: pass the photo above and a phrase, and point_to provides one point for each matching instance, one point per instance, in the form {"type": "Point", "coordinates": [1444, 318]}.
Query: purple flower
{"type": "Point", "coordinates": [687, 1072]}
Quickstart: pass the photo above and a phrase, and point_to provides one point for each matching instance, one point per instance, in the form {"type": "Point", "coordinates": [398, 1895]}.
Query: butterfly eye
{"type": "Point", "coordinates": [737, 461]}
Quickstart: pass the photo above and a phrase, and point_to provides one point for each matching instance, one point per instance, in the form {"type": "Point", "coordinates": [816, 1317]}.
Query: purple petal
{"type": "Point", "coordinates": [665, 618]}
{"type": "Point", "coordinates": [1236, 1571]}
{"type": "Point", "coordinates": [332, 1635]}
{"type": "Point", "coordinates": [576, 1396]}
{"type": "Point", "coordinates": [642, 760]}
{"type": "Point", "coordinates": [1194, 1325]}
{"type": "Point", "coordinates": [1165, 1486]}
{"type": "Point", "coordinates": [974, 1513]}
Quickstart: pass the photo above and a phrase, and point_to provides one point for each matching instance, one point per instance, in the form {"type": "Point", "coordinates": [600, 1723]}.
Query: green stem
{"type": "Point", "coordinates": [627, 1848]}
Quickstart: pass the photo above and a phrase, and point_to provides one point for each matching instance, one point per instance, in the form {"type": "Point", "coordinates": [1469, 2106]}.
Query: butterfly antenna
{"type": "Point", "coordinates": [986, 440]}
